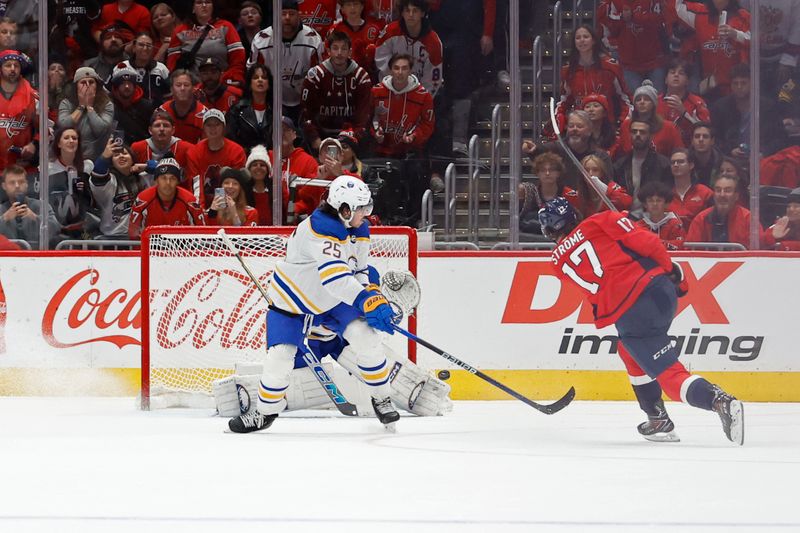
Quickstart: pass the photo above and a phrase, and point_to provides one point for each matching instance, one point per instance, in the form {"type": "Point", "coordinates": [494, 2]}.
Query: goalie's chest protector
{"type": "Point", "coordinates": [325, 265]}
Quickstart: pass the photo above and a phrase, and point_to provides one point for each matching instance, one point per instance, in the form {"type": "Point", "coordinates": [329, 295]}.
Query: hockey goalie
{"type": "Point", "coordinates": [413, 389]}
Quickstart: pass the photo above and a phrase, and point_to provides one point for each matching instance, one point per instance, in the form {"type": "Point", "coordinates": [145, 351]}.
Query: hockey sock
{"type": "Point", "coordinates": [681, 386]}
{"type": "Point", "coordinates": [648, 394]}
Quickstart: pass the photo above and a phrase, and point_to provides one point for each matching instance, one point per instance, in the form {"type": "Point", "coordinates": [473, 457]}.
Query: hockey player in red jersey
{"type": "Point", "coordinates": [337, 94]}
{"type": "Point", "coordinates": [403, 118]}
{"type": "Point", "coordinates": [629, 279]}
{"type": "Point", "coordinates": [165, 204]}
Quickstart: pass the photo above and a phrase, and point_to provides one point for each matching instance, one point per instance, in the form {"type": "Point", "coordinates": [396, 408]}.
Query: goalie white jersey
{"type": "Point", "coordinates": [325, 265]}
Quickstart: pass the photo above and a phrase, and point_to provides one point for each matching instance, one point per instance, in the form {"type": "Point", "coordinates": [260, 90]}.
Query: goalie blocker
{"type": "Point", "coordinates": [412, 388]}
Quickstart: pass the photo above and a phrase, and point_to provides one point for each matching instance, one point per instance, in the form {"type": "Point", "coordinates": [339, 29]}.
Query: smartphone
{"type": "Point", "coordinates": [119, 137]}
{"type": "Point", "coordinates": [723, 18]}
{"type": "Point", "coordinates": [219, 191]}
{"type": "Point", "coordinates": [332, 151]}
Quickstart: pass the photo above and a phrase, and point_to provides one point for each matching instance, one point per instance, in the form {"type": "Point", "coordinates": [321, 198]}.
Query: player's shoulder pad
{"type": "Point", "coordinates": [327, 226]}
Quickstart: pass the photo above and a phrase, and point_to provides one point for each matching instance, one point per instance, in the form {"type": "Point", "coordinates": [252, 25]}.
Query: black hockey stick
{"type": "Point", "coordinates": [546, 409]}
{"type": "Point", "coordinates": [311, 359]}
{"type": "Point", "coordinates": [574, 159]}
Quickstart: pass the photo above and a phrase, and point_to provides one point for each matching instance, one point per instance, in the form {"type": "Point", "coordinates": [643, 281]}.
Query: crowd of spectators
{"type": "Point", "coordinates": [662, 88]}
{"type": "Point", "coordinates": [162, 112]}
{"type": "Point", "coordinates": [380, 89]}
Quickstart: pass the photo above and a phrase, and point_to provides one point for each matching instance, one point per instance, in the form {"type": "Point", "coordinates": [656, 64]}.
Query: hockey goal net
{"type": "Point", "coordinates": [204, 314]}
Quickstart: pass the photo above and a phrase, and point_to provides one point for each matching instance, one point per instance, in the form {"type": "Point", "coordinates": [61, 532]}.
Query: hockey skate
{"type": "Point", "coordinates": [251, 421]}
{"type": "Point", "coordinates": [386, 413]}
{"type": "Point", "coordinates": [659, 428]}
{"type": "Point", "coordinates": [731, 412]}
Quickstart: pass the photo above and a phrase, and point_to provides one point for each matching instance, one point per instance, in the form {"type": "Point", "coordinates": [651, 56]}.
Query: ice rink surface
{"type": "Point", "coordinates": [100, 465]}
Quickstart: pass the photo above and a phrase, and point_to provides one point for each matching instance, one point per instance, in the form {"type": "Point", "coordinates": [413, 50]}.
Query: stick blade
{"type": "Point", "coordinates": [559, 404]}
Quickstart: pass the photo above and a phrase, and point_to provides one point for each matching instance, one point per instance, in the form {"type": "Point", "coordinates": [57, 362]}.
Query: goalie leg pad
{"type": "Point", "coordinates": [235, 395]}
{"type": "Point", "coordinates": [412, 388]}
{"type": "Point", "coordinates": [275, 379]}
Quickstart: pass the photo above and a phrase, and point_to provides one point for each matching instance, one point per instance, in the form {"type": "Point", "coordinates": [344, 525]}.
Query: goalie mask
{"type": "Point", "coordinates": [557, 218]}
{"type": "Point", "coordinates": [352, 193]}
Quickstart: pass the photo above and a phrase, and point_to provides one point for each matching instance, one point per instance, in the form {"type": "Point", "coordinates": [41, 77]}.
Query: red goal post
{"type": "Point", "coordinates": [202, 313]}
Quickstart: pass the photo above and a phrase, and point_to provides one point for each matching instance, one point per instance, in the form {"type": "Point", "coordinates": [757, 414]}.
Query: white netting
{"type": "Point", "coordinates": [205, 314]}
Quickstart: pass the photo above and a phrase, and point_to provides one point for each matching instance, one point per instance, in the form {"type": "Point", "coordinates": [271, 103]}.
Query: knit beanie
{"type": "Point", "coordinates": [648, 90]}
{"type": "Point", "coordinates": [258, 153]}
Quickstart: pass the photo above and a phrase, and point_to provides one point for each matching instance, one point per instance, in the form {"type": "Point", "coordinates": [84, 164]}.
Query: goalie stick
{"type": "Point", "coordinates": [548, 409]}
{"type": "Point", "coordinates": [574, 159]}
{"type": "Point", "coordinates": [338, 399]}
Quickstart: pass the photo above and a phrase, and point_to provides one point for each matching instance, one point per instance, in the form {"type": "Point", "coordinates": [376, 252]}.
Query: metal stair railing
{"type": "Point", "coordinates": [426, 208]}
{"type": "Point", "coordinates": [450, 202]}
{"type": "Point", "coordinates": [538, 83]}
{"type": "Point", "coordinates": [473, 190]}
{"type": "Point", "coordinates": [494, 170]}
{"type": "Point", "coordinates": [22, 243]}
{"type": "Point", "coordinates": [557, 48]}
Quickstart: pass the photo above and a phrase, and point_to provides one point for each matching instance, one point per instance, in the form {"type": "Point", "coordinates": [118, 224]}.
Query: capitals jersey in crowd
{"type": "Point", "coordinates": [298, 56]}
{"type": "Point", "coordinates": [318, 14]}
{"type": "Point", "coordinates": [325, 265]}
{"type": "Point", "coordinates": [145, 150]}
{"type": "Point", "coordinates": [611, 261]}
{"type": "Point", "coordinates": [636, 51]}
{"type": "Point", "coordinates": [605, 78]}
{"type": "Point", "coordinates": [188, 127]}
{"type": "Point", "coordinates": [333, 102]}
{"type": "Point", "coordinates": [18, 121]}
{"type": "Point", "coordinates": [205, 166]}
{"type": "Point", "coordinates": [222, 42]}
{"type": "Point", "coordinates": [400, 112]}
{"type": "Point", "coordinates": [361, 38]}
{"type": "Point", "coordinates": [148, 210]}
{"type": "Point", "coordinates": [425, 49]}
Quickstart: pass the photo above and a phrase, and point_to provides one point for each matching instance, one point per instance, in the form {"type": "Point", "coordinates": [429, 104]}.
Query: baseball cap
{"type": "Point", "coordinates": [86, 72]}
{"type": "Point", "coordinates": [214, 113]}
{"type": "Point", "coordinates": [290, 4]}
{"type": "Point", "coordinates": [794, 196]}
{"type": "Point", "coordinates": [211, 62]}
{"type": "Point", "coordinates": [286, 121]}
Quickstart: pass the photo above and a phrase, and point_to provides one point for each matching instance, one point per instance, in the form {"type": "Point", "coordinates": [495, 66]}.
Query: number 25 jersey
{"type": "Point", "coordinates": [611, 261]}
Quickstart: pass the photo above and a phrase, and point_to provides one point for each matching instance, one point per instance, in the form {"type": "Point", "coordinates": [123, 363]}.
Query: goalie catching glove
{"type": "Point", "coordinates": [402, 290]}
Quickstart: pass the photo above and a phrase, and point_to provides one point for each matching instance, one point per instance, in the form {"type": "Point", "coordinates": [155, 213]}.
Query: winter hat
{"type": "Point", "coordinates": [648, 90]}
{"type": "Point", "coordinates": [600, 99]}
{"type": "Point", "coordinates": [348, 137]}
{"type": "Point", "coordinates": [794, 196]}
{"type": "Point", "coordinates": [258, 153]}
{"type": "Point", "coordinates": [213, 62]}
{"type": "Point", "coordinates": [123, 72]}
{"type": "Point", "coordinates": [238, 174]}
{"type": "Point", "coordinates": [168, 165]}
{"type": "Point", "coordinates": [14, 55]}
{"type": "Point", "coordinates": [86, 72]}
{"type": "Point", "coordinates": [290, 4]}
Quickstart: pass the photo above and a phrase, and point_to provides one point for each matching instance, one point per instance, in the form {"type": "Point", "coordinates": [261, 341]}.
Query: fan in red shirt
{"type": "Point", "coordinates": [295, 162]}
{"type": "Point", "coordinates": [132, 14]}
{"type": "Point", "coordinates": [362, 29]}
{"type": "Point", "coordinates": [318, 14]}
{"type": "Point", "coordinates": [212, 92]}
{"type": "Point", "coordinates": [18, 112]}
{"type": "Point", "coordinates": [723, 40]}
{"type": "Point", "coordinates": [636, 26]}
{"type": "Point", "coordinates": [677, 104]}
{"type": "Point", "coordinates": [665, 135]}
{"type": "Point", "coordinates": [161, 141]}
{"type": "Point", "coordinates": [629, 279]}
{"type": "Point", "coordinates": [785, 233]}
{"type": "Point", "coordinates": [726, 221]}
{"type": "Point", "coordinates": [403, 118]}
{"type": "Point", "coordinates": [184, 108]}
{"type": "Point", "coordinates": [209, 156]}
{"type": "Point", "coordinates": [689, 198]}
{"type": "Point", "coordinates": [590, 70]}
{"type": "Point", "coordinates": [165, 204]}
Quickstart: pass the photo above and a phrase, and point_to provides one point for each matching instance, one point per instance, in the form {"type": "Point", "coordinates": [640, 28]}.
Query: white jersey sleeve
{"type": "Point", "coordinates": [323, 267]}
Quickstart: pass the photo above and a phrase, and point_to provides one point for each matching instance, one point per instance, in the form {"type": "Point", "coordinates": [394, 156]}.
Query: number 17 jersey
{"type": "Point", "coordinates": [611, 261]}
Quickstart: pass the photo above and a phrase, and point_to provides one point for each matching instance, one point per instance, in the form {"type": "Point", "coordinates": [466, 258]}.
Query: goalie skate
{"type": "Point", "coordinates": [386, 413]}
{"type": "Point", "coordinates": [251, 421]}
